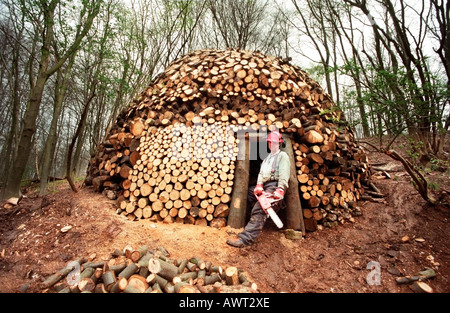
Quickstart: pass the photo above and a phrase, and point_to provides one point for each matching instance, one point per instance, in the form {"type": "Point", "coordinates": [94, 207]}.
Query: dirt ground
{"type": "Point", "coordinates": [331, 260]}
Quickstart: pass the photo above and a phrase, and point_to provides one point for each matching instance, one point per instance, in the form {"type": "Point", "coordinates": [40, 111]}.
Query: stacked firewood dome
{"type": "Point", "coordinates": [172, 155]}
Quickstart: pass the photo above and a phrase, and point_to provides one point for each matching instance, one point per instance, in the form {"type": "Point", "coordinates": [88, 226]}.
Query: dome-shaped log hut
{"type": "Point", "coordinates": [187, 147]}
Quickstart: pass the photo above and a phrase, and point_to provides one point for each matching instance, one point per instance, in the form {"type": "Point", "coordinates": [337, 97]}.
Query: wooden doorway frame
{"type": "Point", "coordinates": [238, 206]}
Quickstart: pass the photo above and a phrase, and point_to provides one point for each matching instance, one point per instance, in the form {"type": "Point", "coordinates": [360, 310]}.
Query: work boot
{"type": "Point", "coordinates": [238, 243]}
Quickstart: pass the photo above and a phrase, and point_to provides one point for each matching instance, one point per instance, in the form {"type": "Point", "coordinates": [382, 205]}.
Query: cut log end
{"type": "Point", "coordinates": [421, 287]}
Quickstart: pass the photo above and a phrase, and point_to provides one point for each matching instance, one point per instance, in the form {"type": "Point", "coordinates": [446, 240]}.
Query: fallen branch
{"type": "Point", "coordinates": [418, 178]}
{"type": "Point", "coordinates": [426, 273]}
{"type": "Point", "coordinates": [416, 175]}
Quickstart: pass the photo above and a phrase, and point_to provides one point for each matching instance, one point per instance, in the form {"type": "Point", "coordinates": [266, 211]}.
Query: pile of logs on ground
{"type": "Point", "coordinates": [147, 271]}
{"type": "Point", "coordinates": [171, 154]}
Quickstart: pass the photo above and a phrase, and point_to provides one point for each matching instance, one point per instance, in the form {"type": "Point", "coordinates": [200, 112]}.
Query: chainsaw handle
{"type": "Point", "coordinates": [266, 201]}
{"type": "Point", "coordinates": [268, 196]}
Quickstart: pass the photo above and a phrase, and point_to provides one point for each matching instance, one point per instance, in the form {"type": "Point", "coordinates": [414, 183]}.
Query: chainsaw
{"type": "Point", "coordinates": [266, 200]}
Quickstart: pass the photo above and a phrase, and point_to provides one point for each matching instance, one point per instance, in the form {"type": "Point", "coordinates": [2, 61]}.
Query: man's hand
{"type": "Point", "coordinates": [259, 189]}
{"type": "Point", "coordinates": [278, 193]}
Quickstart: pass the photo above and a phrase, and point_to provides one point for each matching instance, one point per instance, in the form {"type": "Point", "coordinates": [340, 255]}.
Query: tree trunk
{"type": "Point", "coordinates": [12, 187]}
{"type": "Point", "coordinates": [50, 144]}
{"type": "Point", "coordinates": [9, 149]}
{"type": "Point", "coordinates": [74, 140]}
{"type": "Point", "coordinates": [91, 10]}
{"type": "Point", "coordinates": [76, 159]}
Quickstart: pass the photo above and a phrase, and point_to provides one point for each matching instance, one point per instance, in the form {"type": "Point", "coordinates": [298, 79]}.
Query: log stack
{"type": "Point", "coordinates": [332, 175]}
{"type": "Point", "coordinates": [171, 154]}
{"type": "Point", "coordinates": [147, 271]}
{"type": "Point", "coordinates": [180, 174]}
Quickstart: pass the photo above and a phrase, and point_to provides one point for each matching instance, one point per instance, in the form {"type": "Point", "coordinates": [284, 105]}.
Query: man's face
{"type": "Point", "coordinates": [273, 145]}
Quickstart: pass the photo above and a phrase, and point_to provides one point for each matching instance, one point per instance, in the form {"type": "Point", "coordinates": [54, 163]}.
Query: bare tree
{"type": "Point", "coordinates": [244, 24]}
{"type": "Point", "coordinates": [405, 68]}
{"type": "Point", "coordinates": [42, 14]}
{"type": "Point", "coordinates": [13, 85]}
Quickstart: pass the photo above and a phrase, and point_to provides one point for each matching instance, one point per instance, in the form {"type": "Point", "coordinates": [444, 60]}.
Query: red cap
{"type": "Point", "coordinates": [275, 137]}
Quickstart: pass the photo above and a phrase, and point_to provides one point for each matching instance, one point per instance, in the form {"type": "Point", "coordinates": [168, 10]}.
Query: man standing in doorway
{"type": "Point", "coordinates": [273, 178]}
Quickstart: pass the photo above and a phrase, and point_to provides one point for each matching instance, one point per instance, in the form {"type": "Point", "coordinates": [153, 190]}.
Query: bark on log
{"type": "Point", "coordinates": [238, 206]}
{"type": "Point", "coordinates": [86, 285]}
{"type": "Point", "coordinates": [53, 279]}
{"type": "Point", "coordinates": [128, 271]}
{"type": "Point", "coordinates": [183, 275]}
{"type": "Point", "coordinates": [109, 279]}
{"type": "Point", "coordinates": [294, 216]}
{"type": "Point", "coordinates": [232, 276]}
{"type": "Point", "coordinates": [162, 268]}
{"type": "Point", "coordinates": [138, 282]}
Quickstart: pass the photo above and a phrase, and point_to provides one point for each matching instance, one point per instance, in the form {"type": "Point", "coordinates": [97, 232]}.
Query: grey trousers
{"type": "Point", "coordinates": [258, 217]}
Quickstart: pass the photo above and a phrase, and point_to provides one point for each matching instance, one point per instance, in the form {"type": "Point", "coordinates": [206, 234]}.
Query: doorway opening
{"type": "Point", "coordinates": [258, 152]}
